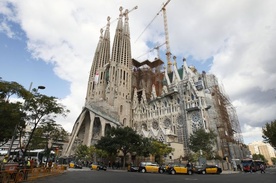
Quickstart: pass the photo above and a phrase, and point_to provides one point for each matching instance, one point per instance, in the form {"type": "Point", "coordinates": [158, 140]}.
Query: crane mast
{"type": "Point", "coordinates": [168, 52]}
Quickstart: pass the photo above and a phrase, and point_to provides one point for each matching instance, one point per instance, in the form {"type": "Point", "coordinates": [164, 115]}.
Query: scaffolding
{"type": "Point", "coordinates": [146, 74]}
{"type": "Point", "coordinates": [227, 122]}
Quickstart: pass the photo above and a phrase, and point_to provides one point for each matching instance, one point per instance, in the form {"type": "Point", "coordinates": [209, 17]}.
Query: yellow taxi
{"type": "Point", "coordinates": [98, 166]}
{"type": "Point", "coordinates": [150, 167]}
{"type": "Point", "coordinates": [71, 164]}
{"type": "Point", "coordinates": [180, 169]}
{"type": "Point", "coordinates": [207, 169]}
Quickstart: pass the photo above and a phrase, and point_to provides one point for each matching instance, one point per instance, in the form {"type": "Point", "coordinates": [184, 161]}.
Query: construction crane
{"type": "Point", "coordinates": [128, 11]}
{"type": "Point", "coordinates": [125, 13]}
{"type": "Point", "coordinates": [168, 52]}
{"type": "Point", "coordinates": [157, 49]}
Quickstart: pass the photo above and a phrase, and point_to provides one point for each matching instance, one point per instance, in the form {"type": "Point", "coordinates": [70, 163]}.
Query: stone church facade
{"type": "Point", "coordinates": [166, 104]}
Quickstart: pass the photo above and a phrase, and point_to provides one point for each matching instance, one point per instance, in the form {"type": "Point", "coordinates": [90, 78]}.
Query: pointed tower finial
{"type": "Point", "coordinates": [121, 11]}
{"type": "Point", "coordinates": [108, 21]}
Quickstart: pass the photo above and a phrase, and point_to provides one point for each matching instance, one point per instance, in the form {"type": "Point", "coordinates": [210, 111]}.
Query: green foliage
{"type": "Point", "coordinates": [144, 147]}
{"type": "Point", "coordinates": [8, 89]}
{"type": "Point", "coordinates": [41, 109]}
{"type": "Point", "coordinates": [269, 133]}
{"type": "Point", "coordinates": [36, 109]}
{"type": "Point", "coordinates": [117, 140]}
{"type": "Point", "coordinates": [11, 114]}
{"type": "Point", "coordinates": [126, 140]}
{"type": "Point", "coordinates": [82, 151]}
{"type": "Point", "coordinates": [273, 160]}
{"type": "Point", "coordinates": [46, 131]}
{"type": "Point", "coordinates": [159, 149]}
{"type": "Point", "coordinates": [259, 157]}
{"type": "Point", "coordinates": [204, 141]}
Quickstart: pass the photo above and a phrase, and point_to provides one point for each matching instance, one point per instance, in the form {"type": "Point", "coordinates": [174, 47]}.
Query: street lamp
{"type": "Point", "coordinates": [41, 87]}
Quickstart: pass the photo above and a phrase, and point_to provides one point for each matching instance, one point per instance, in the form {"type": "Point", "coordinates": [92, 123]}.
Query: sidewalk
{"type": "Point", "coordinates": [38, 173]}
{"type": "Point", "coordinates": [229, 172]}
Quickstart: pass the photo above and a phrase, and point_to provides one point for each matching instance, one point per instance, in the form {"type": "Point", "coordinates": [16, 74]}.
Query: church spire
{"type": "Point", "coordinates": [120, 70]}
{"type": "Point", "coordinates": [97, 82]}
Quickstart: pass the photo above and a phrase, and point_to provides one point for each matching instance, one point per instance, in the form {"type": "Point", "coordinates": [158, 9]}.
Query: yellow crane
{"type": "Point", "coordinates": [168, 52]}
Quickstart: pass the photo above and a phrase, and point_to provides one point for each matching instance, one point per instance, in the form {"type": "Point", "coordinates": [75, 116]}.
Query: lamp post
{"type": "Point", "coordinates": [16, 126]}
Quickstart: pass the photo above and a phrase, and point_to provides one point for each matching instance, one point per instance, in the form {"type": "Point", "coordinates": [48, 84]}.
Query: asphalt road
{"type": "Point", "coordinates": [117, 176]}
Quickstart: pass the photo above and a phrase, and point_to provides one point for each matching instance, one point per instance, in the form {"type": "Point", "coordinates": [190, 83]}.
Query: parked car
{"type": "Point", "coordinates": [78, 166]}
{"type": "Point", "coordinates": [73, 164]}
{"type": "Point", "coordinates": [132, 168]}
{"type": "Point", "coordinates": [179, 169]}
{"type": "Point", "coordinates": [207, 169]}
{"type": "Point", "coordinates": [98, 166]}
{"type": "Point", "coordinates": [150, 167]}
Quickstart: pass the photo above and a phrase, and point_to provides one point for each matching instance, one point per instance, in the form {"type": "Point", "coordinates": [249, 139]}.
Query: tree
{"type": "Point", "coordinates": [203, 141]}
{"type": "Point", "coordinates": [259, 157]}
{"type": "Point", "coordinates": [159, 149]}
{"type": "Point", "coordinates": [273, 160]}
{"type": "Point", "coordinates": [11, 116]}
{"type": "Point", "coordinates": [144, 147]}
{"type": "Point", "coordinates": [117, 140]}
{"type": "Point", "coordinates": [269, 133]}
{"type": "Point", "coordinates": [11, 113]}
{"type": "Point", "coordinates": [45, 132]}
{"type": "Point", "coordinates": [82, 151]}
{"type": "Point", "coordinates": [41, 109]}
{"type": "Point", "coordinates": [35, 109]}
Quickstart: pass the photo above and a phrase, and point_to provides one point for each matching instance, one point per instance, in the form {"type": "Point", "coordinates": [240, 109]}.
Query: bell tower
{"type": "Point", "coordinates": [97, 82]}
{"type": "Point", "coordinates": [110, 75]}
{"type": "Point", "coordinates": [119, 84]}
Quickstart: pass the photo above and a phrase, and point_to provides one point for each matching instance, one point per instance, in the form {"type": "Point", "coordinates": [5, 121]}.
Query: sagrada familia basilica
{"type": "Point", "coordinates": [165, 103]}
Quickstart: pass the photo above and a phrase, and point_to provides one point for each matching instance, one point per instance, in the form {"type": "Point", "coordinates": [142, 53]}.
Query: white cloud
{"type": "Point", "coordinates": [237, 34]}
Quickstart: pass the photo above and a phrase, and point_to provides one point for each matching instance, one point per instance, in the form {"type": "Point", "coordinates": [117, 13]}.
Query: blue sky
{"type": "Point", "coordinates": [53, 44]}
{"type": "Point", "coordinates": [18, 65]}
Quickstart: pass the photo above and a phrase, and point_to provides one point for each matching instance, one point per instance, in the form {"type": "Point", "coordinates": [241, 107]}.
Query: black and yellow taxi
{"type": "Point", "coordinates": [179, 169]}
{"type": "Point", "coordinates": [208, 169]}
{"type": "Point", "coordinates": [150, 167]}
{"type": "Point", "coordinates": [98, 166]}
{"type": "Point", "coordinates": [73, 164]}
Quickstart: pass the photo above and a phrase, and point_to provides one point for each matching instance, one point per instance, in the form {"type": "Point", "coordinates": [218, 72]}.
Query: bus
{"type": "Point", "coordinates": [39, 155]}
{"type": "Point", "coordinates": [35, 154]}
{"type": "Point", "coordinates": [248, 165]}
{"type": "Point", "coordinates": [251, 165]}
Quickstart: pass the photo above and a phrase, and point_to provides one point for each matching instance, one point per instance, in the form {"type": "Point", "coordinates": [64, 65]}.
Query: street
{"type": "Point", "coordinates": [118, 176]}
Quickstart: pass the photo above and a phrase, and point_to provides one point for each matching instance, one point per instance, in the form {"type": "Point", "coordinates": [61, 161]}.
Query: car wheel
{"type": "Point", "coordinates": [203, 172]}
{"type": "Point", "coordinates": [143, 170]}
{"type": "Point", "coordinates": [161, 171]}
{"type": "Point", "coordinates": [190, 172]}
{"type": "Point", "coordinates": [173, 172]}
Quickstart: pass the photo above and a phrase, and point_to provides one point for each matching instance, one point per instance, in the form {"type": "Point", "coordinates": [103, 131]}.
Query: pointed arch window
{"type": "Point", "coordinates": [121, 109]}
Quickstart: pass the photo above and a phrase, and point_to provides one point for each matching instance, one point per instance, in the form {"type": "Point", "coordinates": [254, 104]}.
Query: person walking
{"type": "Point", "coordinates": [262, 167]}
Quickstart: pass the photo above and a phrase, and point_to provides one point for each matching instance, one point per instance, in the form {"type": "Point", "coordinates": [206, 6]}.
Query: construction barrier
{"type": "Point", "coordinates": [15, 174]}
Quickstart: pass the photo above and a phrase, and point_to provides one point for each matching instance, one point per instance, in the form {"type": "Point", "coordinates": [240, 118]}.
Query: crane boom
{"type": "Point", "coordinates": [168, 52]}
{"type": "Point", "coordinates": [128, 11]}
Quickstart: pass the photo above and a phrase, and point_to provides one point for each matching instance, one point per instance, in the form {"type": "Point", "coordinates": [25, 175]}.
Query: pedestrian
{"type": "Point", "coordinates": [262, 167]}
